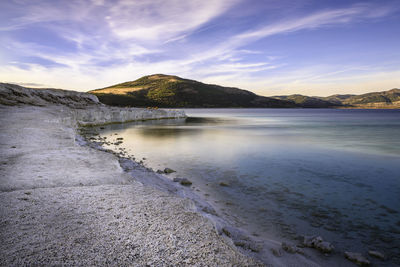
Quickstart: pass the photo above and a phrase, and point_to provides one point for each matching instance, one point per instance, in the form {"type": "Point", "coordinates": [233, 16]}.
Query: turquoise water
{"type": "Point", "coordinates": [291, 172]}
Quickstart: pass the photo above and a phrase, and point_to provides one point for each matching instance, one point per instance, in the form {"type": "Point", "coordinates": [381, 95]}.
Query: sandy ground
{"type": "Point", "coordinates": [62, 203]}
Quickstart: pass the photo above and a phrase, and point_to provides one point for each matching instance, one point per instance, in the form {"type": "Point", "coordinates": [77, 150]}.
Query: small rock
{"type": "Point", "coordinates": [160, 171]}
{"type": "Point", "coordinates": [277, 252]}
{"type": "Point", "coordinates": [223, 184]}
{"type": "Point", "coordinates": [291, 249]}
{"type": "Point", "coordinates": [120, 138]}
{"type": "Point", "coordinates": [182, 181]}
{"type": "Point", "coordinates": [324, 246]}
{"type": "Point", "coordinates": [168, 170]}
{"type": "Point", "coordinates": [376, 254]}
{"type": "Point", "coordinates": [13, 147]}
{"type": "Point", "coordinates": [317, 243]}
{"type": "Point", "coordinates": [248, 245]}
{"type": "Point", "coordinates": [226, 232]}
{"type": "Point", "coordinates": [357, 258]}
{"type": "Point", "coordinates": [209, 210]}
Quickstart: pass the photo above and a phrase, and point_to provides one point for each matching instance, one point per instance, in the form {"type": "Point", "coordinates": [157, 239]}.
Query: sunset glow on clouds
{"type": "Point", "coordinates": [269, 47]}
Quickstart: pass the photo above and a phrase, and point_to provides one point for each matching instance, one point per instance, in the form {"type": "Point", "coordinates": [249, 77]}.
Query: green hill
{"type": "Point", "coordinates": [384, 99]}
{"type": "Point", "coordinates": [309, 101]}
{"type": "Point", "coordinates": [389, 98]}
{"type": "Point", "coordinates": [171, 91]}
{"type": "Point", "coordinates": [166, 91]}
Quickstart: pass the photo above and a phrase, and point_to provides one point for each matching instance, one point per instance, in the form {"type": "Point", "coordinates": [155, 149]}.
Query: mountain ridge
{"type": "Point", "coordinates": [160, 90]}
{"type": "Point", "coordinates": [172, 91]}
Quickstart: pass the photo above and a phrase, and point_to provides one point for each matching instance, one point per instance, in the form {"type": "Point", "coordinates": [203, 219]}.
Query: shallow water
{"type": "Point", "coordinates": [291, 172]}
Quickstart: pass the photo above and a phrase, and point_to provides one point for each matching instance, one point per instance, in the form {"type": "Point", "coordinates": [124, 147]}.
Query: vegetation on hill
{"type": "Point", "coordinates": [309, 102]}
{"type": "Point", "coordinates": [385, 99]}
{"type": "Point", "coordinates": [161, 90]}
{"type": "Point", "coordinates": [172, 91]}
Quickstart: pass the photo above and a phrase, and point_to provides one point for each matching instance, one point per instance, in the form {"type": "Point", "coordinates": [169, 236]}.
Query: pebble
{"type": "Point", "coordinates": [291, 249]}
{"type": "Point", "coordinates": [376, 254]}
{"type": "Point", "coordinates": [357, 258]}
{"type": "Point", "coordinates": [168, 170]}
{"type": "Point", "coordinates": [277, 252]}
{"type": "Point", "coordinates": [182, 181]}
{"type": "Point", "coordinates": [318, 243]}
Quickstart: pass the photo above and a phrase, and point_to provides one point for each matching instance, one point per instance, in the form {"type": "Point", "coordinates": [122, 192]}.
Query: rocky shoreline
{"type": "Point", "coordinates": [67, 204]}
{"type": "Point", "coordinates": [67, 201]}
{"type": "Point", "coordinates": [310, 251]}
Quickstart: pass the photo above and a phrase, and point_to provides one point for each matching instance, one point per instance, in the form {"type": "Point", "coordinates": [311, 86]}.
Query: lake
{"type": "Point", "coordinates": [289, 172]}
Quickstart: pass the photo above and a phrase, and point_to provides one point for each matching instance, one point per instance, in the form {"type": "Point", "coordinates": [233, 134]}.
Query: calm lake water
{"type": "Point", "coordinates": [291, 172]}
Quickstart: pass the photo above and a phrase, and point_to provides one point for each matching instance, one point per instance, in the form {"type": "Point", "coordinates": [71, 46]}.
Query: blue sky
{"type": "Point", "coordinates": [270, 47]}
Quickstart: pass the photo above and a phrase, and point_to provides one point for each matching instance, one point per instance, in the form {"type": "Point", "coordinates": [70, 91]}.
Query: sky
{"type": "Point", "coordinates": [270, 47]}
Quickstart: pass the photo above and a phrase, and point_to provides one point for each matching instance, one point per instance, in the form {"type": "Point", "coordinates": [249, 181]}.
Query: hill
{"type": "Point", "coordinates": [384, 99]}
{"type": "Point", "coordinates": [161, 90]}
{"type": "Point", "coordinates": [309, 101]}
{"type": "Point", "coordinates": [171, 91]}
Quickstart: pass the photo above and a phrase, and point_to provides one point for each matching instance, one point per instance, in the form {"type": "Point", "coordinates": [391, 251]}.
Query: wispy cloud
{"type": "Point", "coordinates": [316, 20]}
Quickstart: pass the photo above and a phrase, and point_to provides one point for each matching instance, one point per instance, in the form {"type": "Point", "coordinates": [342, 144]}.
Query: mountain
{"type": "Point", "coordinates": [384, 99]}
{"type": "Point", "coordinates": [161, 90]}
{"type": "Point", "coordinates": [309, 101]}
{"type": "Point", "coordinates": [165, 91]}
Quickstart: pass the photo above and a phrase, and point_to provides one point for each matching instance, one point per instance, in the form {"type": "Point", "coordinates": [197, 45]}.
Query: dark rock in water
{"type": "Point", "coordinates": [291, 249]}
{"type": "Point", "coordinates": [277, 252]}
{"type": "Point", "coordinates": [182, 181]}
{"type": "Point", "coordinates": [223, 184]}
{"type": "Point", "coordinates": [13, 147]}
{"type": "Point", "coordinates": [248, 245]}
{"type": "Point", "coordinates": [209, 210]}
{"type": "Point", "coordinates": [317, 243]}
{"type": "Point", "coordinates": [102, 128]}
{"type": "Point", "coordinates": [120, 138]}
{"type": "Point", "coordinates": [357, 258]}
{"type": "Point", "coordinates": [226, 232]}
{"type": "Point", "coordinates": [376, 254]}
{"type": "Point", "coordinates": [168, 170]}
{"type": "Point", "coordinates": [159, 171]}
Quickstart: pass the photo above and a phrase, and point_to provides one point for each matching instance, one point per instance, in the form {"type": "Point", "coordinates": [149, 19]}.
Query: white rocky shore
{"type": "Point", "coordinates": [67, 204]}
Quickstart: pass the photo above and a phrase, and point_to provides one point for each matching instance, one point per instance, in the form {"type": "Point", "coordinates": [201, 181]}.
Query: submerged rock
{"type": "Point", "coordinates": [376, 254]}
{"type": "Point", "coordinates": [168, 170]}
{"type": "Point", "coordinates": [182, 181]}
{"type": "Point", "coordinates": [291, 249]}
{"type": "Point", "coordinates": [277, 252]}
{"type": "Point", "coordinates": [209, 210]}
{"type": "Point", "coordinates": [223, 184]}
{"type": "Point", "coordinates": [357, 258]}
{"type": "Point", "coordinates": [318, 243]}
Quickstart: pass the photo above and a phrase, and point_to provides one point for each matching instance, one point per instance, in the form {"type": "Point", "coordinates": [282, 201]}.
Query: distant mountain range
{"type": "Point", "coordinates": [385, 99]}
{"type": "Point", "coordinates": [165, 91]}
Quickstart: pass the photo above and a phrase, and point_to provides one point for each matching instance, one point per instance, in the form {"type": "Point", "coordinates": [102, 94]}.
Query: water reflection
{"type": "Point", "coordinates": [328, 172]}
